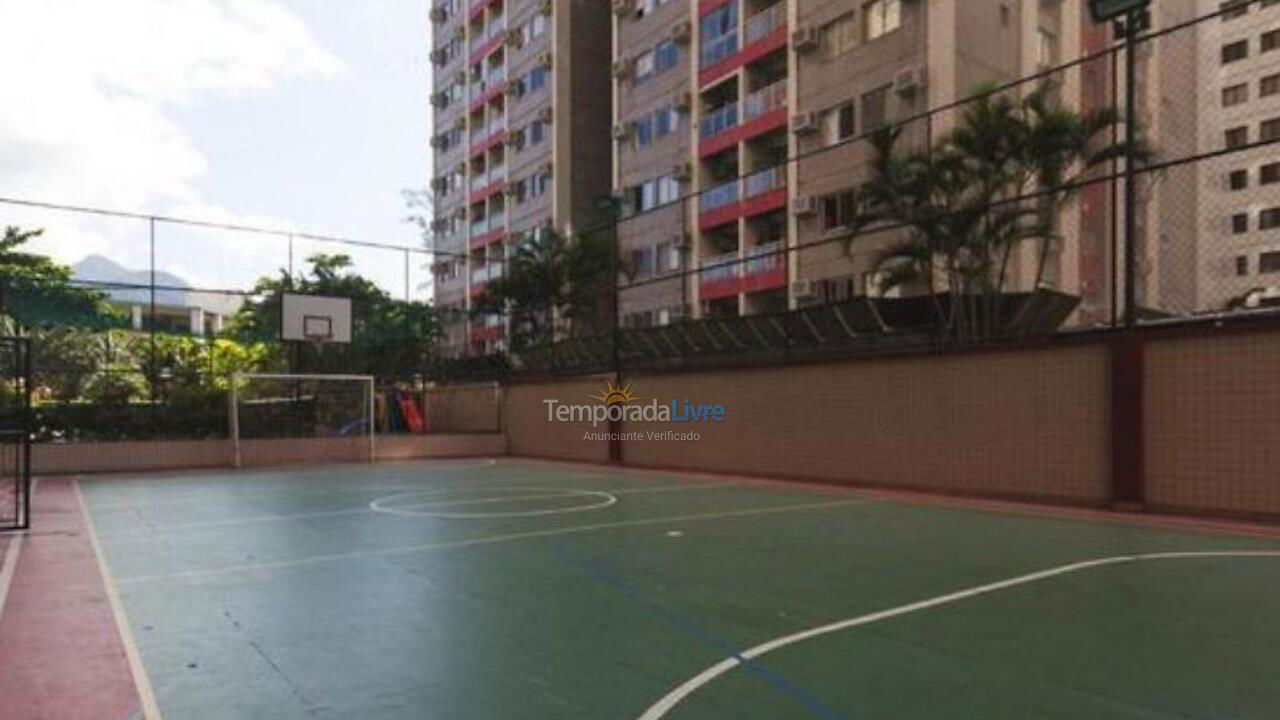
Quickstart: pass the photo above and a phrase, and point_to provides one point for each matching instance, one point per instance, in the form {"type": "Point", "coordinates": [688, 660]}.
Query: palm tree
{"type": "Point", "coordinates": [993, 186]}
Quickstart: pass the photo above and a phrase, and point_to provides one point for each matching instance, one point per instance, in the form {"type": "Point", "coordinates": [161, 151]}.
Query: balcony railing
{"type": "Point", "coordinates": [479, 180]}
{"type": "Point", "coordinates": [766, 99]}
{"type": "Point", "coordinates": [720, 48]}
{"type": "Point", "coordinates": [480, 275]}
{"type": "Point", "coordinates": [720, 267]}
{"type": "Point", "coordinates": [496, 25]}
{"type": "Point", "coordinates": [764, 258]}
{"type": "Point", "coordinates": [720, 196]}
{"type": "Point", "coordinates": [719, 120]}
{"type": "Point", "coordinates": [488, 224]}
{"type": "Point", "coordinates": [764, 23]}
{"type": "Point", "coordinates": [775, 178]}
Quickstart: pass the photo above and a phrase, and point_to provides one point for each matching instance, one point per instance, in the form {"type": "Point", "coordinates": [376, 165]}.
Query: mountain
{"type": "Point", "coordinates": [96, 268]}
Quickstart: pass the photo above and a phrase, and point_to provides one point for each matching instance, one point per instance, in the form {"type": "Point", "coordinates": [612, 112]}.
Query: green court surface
{"type": "Point", "coordinates": [478, 590]}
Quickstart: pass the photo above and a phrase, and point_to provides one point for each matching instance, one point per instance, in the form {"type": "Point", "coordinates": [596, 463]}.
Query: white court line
{"type": "Point", "coordinates": [159, 530]}
{"type": "Point", "coordinates": [146, 694]}
{"type": "Point", "coordinates": [10, 565]}
{"type": "Point", "coordinates": [203, 497]}
{"type": "Point", "coordinates": [490, 540]}
{"type": "Point", "coordinates": [676, 696]}
{"type": "Point", "coordinates": [381, 504]}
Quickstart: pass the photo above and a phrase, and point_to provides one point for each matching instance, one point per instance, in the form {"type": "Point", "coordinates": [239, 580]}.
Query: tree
{"type": "Point", "coordinates": [552, 282]}
{"type": "Point", "coordinates": [993, 187]}
{"type": "Point", "coordinates": [37, 292]}
{"type": "Point", "coordinates": [389, 337]}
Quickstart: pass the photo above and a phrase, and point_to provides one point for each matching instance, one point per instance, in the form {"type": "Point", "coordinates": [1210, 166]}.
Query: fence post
{"type": "Point", "coordinates": [1125, 351]}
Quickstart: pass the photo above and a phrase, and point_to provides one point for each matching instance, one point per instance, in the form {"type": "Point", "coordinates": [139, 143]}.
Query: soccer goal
{"type": "Point", "coordinates": [286, 418]}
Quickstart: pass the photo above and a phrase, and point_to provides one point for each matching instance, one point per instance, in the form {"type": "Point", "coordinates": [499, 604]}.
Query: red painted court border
{"type": "Point", "coordinates": [63, 654]}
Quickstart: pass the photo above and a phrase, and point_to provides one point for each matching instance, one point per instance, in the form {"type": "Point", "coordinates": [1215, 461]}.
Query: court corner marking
{"type": "Point", "coordinates": [141, 682]}
{"type": "Point", "coordinates": [673, 698]}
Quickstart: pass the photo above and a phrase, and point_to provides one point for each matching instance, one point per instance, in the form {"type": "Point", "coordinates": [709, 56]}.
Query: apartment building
{"type": "Point", "coordinates": [712, 96]}
{"type": "Point", "coordinates": [521, 120]}
{"type": "Point", "coordinates": [1239, 206]}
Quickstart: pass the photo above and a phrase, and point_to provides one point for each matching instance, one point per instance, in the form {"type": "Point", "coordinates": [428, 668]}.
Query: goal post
{"type": "Point", "coordinates": [294, 407]}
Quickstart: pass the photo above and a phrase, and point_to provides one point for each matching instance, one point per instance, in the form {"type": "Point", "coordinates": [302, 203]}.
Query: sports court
{"type": "Point", "coordinates": [526, 589]}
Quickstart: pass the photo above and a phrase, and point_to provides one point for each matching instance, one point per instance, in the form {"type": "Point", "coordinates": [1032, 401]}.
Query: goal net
{"type": "Point", "coordinates": [280, 419]}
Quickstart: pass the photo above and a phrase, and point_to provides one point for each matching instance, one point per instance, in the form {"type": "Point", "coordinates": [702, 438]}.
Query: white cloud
{"type": "Point", "coordinates": [88, 95]}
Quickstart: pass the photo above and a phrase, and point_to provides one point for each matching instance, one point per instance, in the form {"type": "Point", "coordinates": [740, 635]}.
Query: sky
{"type": "Point", "coordinates": [305, 115]}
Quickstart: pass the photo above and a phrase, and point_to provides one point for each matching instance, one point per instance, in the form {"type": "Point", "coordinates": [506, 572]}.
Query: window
{"type": "Point", "coordinates": [1269, 262]}
{"type": "Point", "coordinates": [882, 16]}
{"type": "Point", "coordinates": [875, 109]}
{"type": "Point", "coordinates": [538, 25]}
{"type": "Point", "coordinates": [1238, 179]}
{"type": "Point", "coordinates": [834, 290]}
{"type": "Point", "coordinates": [537, 78]}
{"type": "Point", "coordinates": [1237, 137]}
{"type": "Point", "coordinates": [1240, 223]}
{"type": "Point", "coordinates": [668, 256]}
{"type": "Point", "coordinates": [841, 34]}
{"type": "Point", "coordinates": [841, 119]}
{"type": "Point", "coordinates": [719, 32]}
{"type": "Point", "coordinates": [838, 210]}
{"type": "Point", "coordinates": [644, 131]}
{"type": "Point", "coordinates": [1235, 95]}
{"type": "Point", "coordinates": [1270, 129]}
{"type": "Point", "coordinates": [1269, 85]}
{"type": "Point", "coordinates": [644, 262]}
{"type": "Point", "coordinates": [1242, 265]}
{"type": "Point", "coordinates": [1233, 9]}
{"type": "Point", "coordinates": [1269, 218]}
{"type": "Point", "coordinates": [537, 131]}
{"type": "Point", "coordinates": [644, 67]}
{"type": "Point", "coordinates": [1047, 50]}
{"type": "Point", "coordinates": [1270, 174]}
{"type": "Point", "coordinates": [665, 56]}
{"type": "Point", "coordinates": [1270, 40]}
{"type": "Point", "coordinates": [1235, 51]}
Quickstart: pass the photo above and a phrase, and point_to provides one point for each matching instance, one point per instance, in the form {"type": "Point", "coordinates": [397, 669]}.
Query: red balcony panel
{"type": "Point", "coordinates": [489, 238]}
{"type": "Point", "coordinates": [488, 97]}
{"type": "Point", "coordinates": [720, 216]}
{"type": "Point", "coordinates": [478, 7]}
{"type": "Point", "coordinates": [763, 203]}
{"type": "Point", "coordinates": [770, 279]}
{"type": "Point", "coordinates": [706, 7]}
{"type": "Point", "coordinates": [489, 46]}
{"type": "Point", "coordinates": [484, 145]}
{"type": "Point", "coordinates": [487, 191]}
{"type": "Point", "coordinates": [745, 56]}
{"type": "Point", "coordinates": [486, 333]}
{"type": "Point", "coordinates": [718, 288]}
{"type": "Point", "coordinates": [476, 289]}
{"type": "Point", "coordinates": [768, 122]}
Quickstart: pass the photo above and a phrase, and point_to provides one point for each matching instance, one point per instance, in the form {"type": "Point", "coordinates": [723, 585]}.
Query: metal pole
{"type": "Point", "coordinates": [1132, 26]}
{"type": "Point", "coordinates": [154, 371]}
{"type": "Point", "coordinates": [373, 441]}
{"type": "Point", "coordinates": [233, 413]}
{"type": "Point", "coordinates": [407, 294]}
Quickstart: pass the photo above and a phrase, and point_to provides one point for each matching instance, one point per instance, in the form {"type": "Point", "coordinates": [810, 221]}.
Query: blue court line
{"type": "Point", "coordinates": [807, 699]}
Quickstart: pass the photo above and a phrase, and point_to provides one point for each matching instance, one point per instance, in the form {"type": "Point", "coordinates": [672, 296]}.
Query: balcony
{"type": "Point", "coordinates": [756, 194]}
{"type": "Point", "coordinates": [763, 268]}
{"type": "Point", "coordinates": [477, 7]}
{"type": "Point", "coordinates": [488, 230]}
{"type": "Point", "coordinates": [766, 33]}
{"type": "Point", "coordinates": [486, 185]}
{"type": "Point", "coordinates": [764, 110]}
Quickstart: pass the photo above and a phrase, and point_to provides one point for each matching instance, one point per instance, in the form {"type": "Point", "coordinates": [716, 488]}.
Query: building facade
{"type": "Point", "coordinates": [521, 144]}
{"type": "Point", "coordinates": [713, 97]}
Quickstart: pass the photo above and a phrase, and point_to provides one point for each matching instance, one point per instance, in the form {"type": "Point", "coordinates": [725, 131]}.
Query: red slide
{"type": "Point", "coordinates": [412, 415]}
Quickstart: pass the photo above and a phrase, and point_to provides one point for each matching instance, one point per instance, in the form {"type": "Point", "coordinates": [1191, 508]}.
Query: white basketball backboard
{"type": "Point", "coordinates": [315, 318]}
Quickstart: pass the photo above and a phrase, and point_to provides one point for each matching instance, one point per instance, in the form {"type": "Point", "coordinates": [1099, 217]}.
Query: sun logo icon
{"type": "Point", "coordinates": [616, 394]}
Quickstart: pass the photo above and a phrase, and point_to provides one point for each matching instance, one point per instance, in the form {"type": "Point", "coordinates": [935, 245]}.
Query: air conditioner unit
{"type": "Point", "coordinates": [437, 141]}
{"type": "Point", "coordinates": [511, 189]}
{"type": "Point", "coordinates": [438, 100]}
{"type": "Point", "coordinates": [512, 90]}
{"type": "Point", "coordinates": [621, 68]}
{"type": "Point", "coordinates": [515, 38]}
{"type": "Point", "coordinates": [804, 123]}
{"type": "Point", "coordinates": [804, 290]}
{"type": "Point", "coordinates": [806, 39]}
{"type": "Point", "coordinates": [804, 205]}
{"type": "Point", "coordinates": [546, 7]}
{"type": "Point", "coordinates": [515, 138]}
{"type": "Point", "coordinates": [622, 7]}
{"type": "Point", "coordinates": [681, 171]}
{"type": "Point", "coordinates": [545, 114]}
{"type": "Point", "coordinates": [438, 56]}
{"type": "Point", "coordinates": [545, 59]}
{"type": "Point", "coordinates": [438, 15]}
{"type": "Point", "coordinates": [546, 169]}
{"type": "Point", "coordinates": [909, 81]}
{"type": "Point", "coordinates": [682, 31]}
{"type": "Point", "coordinates": [684, 101]}
{"type": "Point", "coordinates": [622, 131]}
